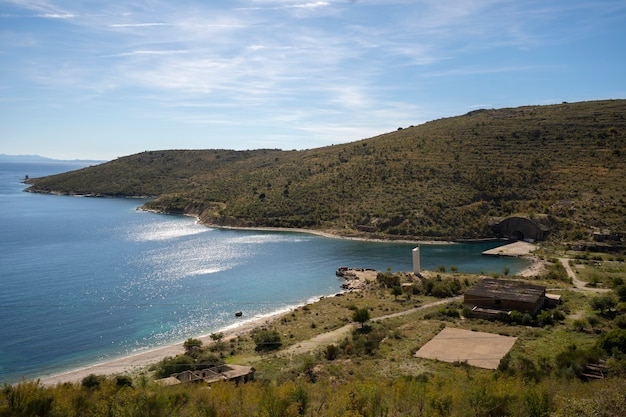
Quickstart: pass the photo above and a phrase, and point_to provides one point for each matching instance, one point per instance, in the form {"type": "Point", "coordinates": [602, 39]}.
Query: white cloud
{"type": "Point", "coordinates": [138, 25]}
{"type": "Point", "coordinates": [288, 6]}
{"type": "Point", "coordinates": [57, 15]}
{"type": "Point", "coordinates": [149, 53]}
{"type": "Point", "coordinates": [316, 68]}
{"type": "Point", "coordinates": [312, 5]}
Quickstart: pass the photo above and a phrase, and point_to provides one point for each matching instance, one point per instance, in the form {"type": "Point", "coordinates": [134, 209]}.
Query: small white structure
{"type": "Point", "coordinates": [416, 260]}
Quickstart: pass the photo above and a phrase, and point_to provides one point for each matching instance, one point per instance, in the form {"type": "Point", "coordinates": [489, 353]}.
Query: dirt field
{"type": "Point", "coordinates": [483, 350]}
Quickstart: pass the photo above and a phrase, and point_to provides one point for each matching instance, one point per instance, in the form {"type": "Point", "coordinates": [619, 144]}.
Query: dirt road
{"type": "Point", "coordinates": [335, 336]}
{"type": "Point", "coordinates": [581, 285]}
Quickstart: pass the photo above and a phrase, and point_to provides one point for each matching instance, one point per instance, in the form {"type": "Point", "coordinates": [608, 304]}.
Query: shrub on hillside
{"type": "Point", "coordinates": [266, 340]}
{"type": "Point", "coordinates": [613, 340]}
{"type": "Point", "coordinates": [169, 366]}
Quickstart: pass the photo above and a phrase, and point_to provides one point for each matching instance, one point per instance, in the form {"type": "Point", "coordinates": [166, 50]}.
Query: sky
{"type": "Point", "coordinates": [104, 79]}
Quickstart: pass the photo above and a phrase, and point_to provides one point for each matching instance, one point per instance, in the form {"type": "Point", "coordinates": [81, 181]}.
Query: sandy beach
{"type": "Point", "coordinates": [136, 362]}
{"type": "Point", "coordinates": [520, 250]}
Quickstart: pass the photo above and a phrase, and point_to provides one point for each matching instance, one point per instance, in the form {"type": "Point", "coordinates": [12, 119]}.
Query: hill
{"type": "Point", "coordinates": [449, 179]}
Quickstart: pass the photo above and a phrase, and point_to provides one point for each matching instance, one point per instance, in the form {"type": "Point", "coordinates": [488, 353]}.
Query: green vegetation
{"type": "Point", "coordinates": [266, 340]}
{"type": "Point", "coordinates": [371, 371]}
{"type": "Point", "coordinates": [452, 178]}
{"type": "Point", "coordinates": [361, 315]}
{"type": "Point", "coordinates": [449, 179]}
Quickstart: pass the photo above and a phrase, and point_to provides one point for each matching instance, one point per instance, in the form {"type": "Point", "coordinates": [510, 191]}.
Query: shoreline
{"type": "Point", "coordinates": [137, 361]}
{"type": "Point", "coordinates": [331, 235]}
{"type": "Point", "coordinates": [322, 233]}
{"type": "Point", "coordinates": [522, 250]}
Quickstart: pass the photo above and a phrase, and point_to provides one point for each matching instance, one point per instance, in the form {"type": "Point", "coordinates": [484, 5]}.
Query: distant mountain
{"type": "Point", "coordinates": [43, 159]}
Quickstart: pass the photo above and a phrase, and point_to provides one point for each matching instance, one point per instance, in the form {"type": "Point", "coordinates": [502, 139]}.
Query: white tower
{"type": "Point", "coordinates": [416, 260]}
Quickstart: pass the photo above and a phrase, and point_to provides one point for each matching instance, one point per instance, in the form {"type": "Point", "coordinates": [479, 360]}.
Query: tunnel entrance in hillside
{"type": "Point", "coordinates": [520, 228]}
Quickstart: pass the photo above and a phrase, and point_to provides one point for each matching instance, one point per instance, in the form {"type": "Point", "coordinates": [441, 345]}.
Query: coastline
{"type": "Point", "coordinates": [521, 250]}
{"type": "Point", "coordinates": [137, 361]}
{"type": "Point", "coordinates": [322, 233]}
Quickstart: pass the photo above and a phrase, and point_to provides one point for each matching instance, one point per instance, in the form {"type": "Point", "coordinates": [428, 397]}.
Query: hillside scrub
{"type": "Point", "coordinates": [447, 179]}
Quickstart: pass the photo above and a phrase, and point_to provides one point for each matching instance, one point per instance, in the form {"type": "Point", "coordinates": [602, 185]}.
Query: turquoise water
{"type": "Point", "coordinates": [84, 280]}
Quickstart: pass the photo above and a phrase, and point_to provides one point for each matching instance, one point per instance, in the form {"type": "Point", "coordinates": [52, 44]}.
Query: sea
{"type": "Point", "coordinates": [85, 280]}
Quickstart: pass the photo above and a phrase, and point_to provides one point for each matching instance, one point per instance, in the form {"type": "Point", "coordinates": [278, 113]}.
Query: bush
{"type": "Point", "coordinates": [444, 289]}
{"type": "Point", "coordinates": [91, 381]}
{"type": "Point", "coordinates": [579, 325]}
{"type": "Point", "coordinates": [388, 279]}
{"type": "Point", "coordinates": [331, 353]}
{"type": "Point", "coordinates": [603, 303]}
{"type": "Point", "coordinates": [615, 339]}
{"type": "Point", "coordinates": [572, 361]}
{"type": "Point", "coordinates": [620, 291]}
{"type": "Point", "coordinates": [123, 381]}
{"type": "Point", "coordinates": [208, 360]}
{"type": "Point", "coordinates": [516, 317]}
{"type": "Point", "coordinates": [468, 313]}
{"type": "Point", "coordinates": [544, 318]}
{"type": "Point", "coordinates": [169, 366]}
{"type": "Point", "coordinates": [267, 340]}
{"type": "Point", "coordinates": [361, 315]}
{"type": "Point", "coordinates": [396, 291]}
{"type": "Point", "coordinates": [557, 272]}
{"type": "Point", "coordinates": [620, 321]}
{"type": "Point", "coordinates": [448, 311]}
{"type": "Point", "coordinates": [366, 343]}
{"type": "Point", "coordinates": [558, 315]}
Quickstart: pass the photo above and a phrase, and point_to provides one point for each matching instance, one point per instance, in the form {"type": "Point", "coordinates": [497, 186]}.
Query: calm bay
{"type": "Point", "coordinates": [83, 280]}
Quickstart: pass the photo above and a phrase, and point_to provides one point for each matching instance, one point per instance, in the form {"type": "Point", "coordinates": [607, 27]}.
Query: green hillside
{"type": "Point", "coordinates": [447, 179]}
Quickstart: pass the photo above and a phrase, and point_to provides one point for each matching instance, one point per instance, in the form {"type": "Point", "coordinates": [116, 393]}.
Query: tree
{"type": "Point", "coordinates": [218, 344]}
{"type": "Point", "coordinates": [604, 303]}
{"type": "Point", "coordinates": [173, 365]}
{"type": "Point", "coordinates": [208, 360]}
{"type": "Point", "coordinates": [192, 346]}
{"type": "Point", "coordinates": [361, 315]}
{"type": "Point", "coordinates": [396, 291]}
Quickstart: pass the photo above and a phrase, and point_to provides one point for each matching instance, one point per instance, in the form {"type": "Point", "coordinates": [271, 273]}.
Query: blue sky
{"type": "Point", "coordinates": [103, 79]}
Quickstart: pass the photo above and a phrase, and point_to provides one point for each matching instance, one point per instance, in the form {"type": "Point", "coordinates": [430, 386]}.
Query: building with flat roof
{"type": "Point", "coordinates": [498, 296]}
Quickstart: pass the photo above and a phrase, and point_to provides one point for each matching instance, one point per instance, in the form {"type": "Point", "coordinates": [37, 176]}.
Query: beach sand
{"type": "Point", "coordinates": [521, 250]}
{"type": "Point", "coordinates": [137, 362]}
